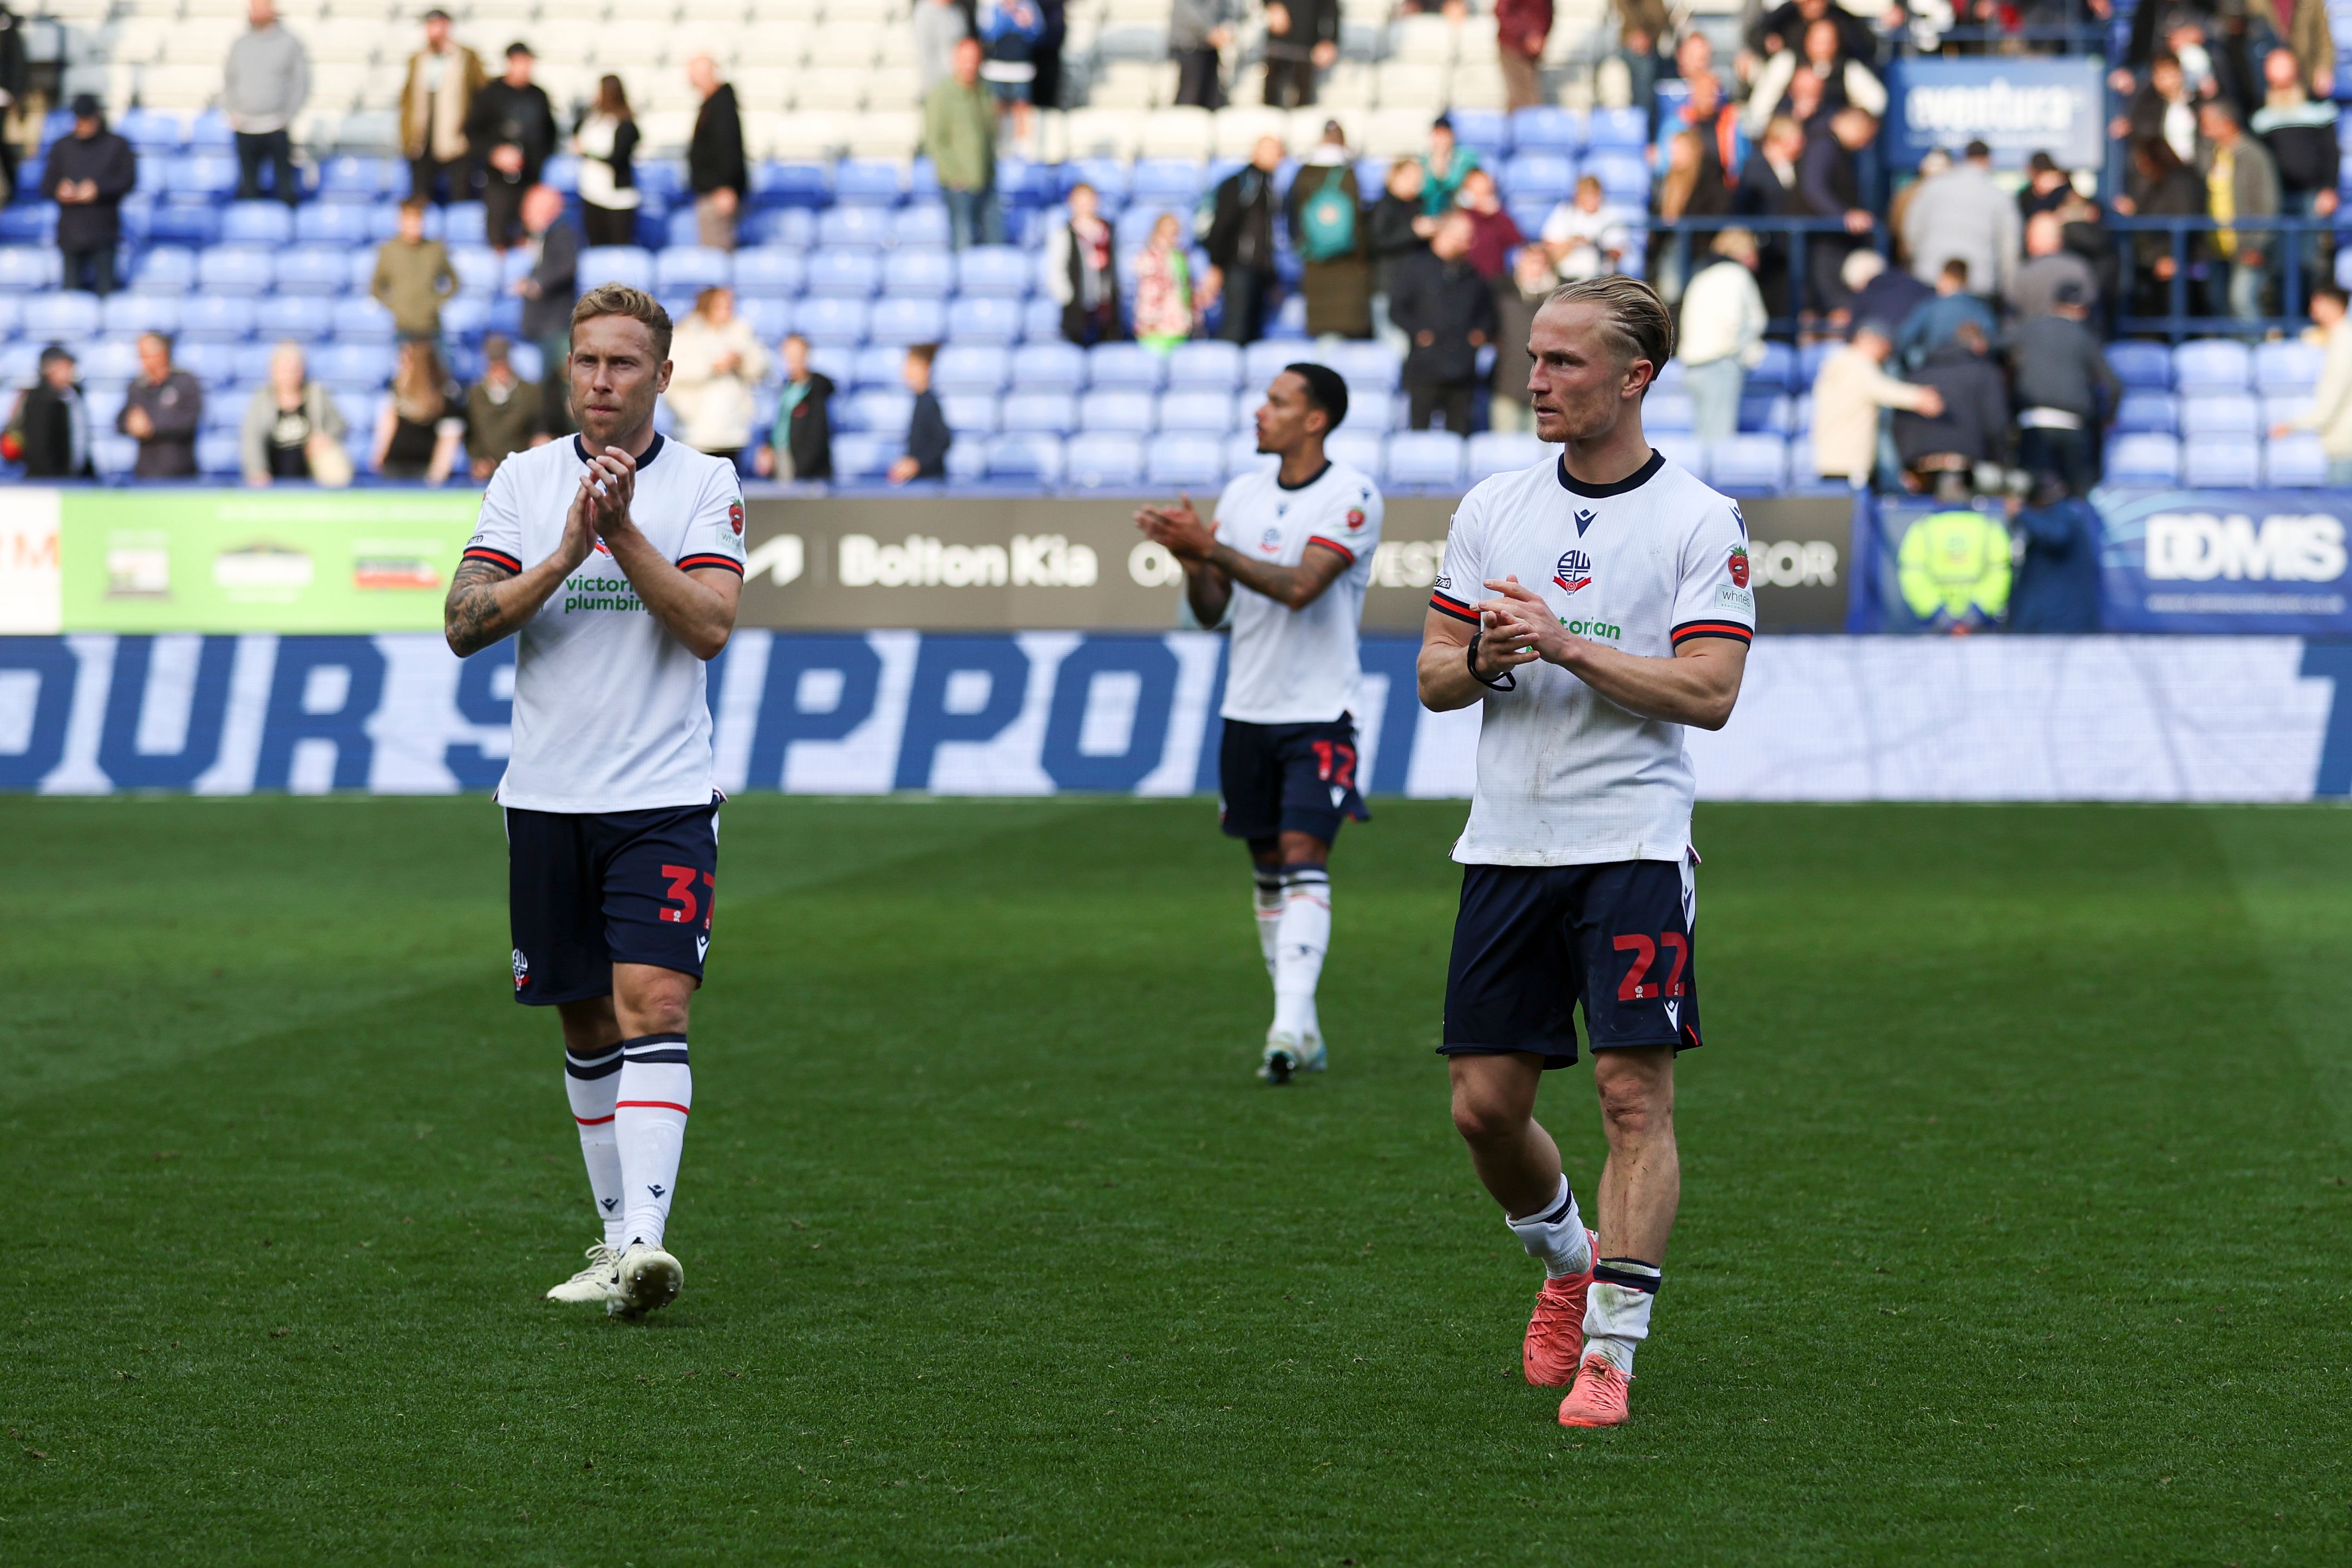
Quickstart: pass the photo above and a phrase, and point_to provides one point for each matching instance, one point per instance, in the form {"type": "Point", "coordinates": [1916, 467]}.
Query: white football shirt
{"type": "Point", "coordinates": [1566, 778]}
{"type": "Point", "coordinates": [1297, 666]}
{"type": "Point", "coordinates": [609, 710]}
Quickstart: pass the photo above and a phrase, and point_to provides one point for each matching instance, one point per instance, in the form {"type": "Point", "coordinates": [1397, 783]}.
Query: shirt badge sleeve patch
{"type": "Point", "coordinates": [1355, 518]}
{"type": "Point", "coordinates": [1739, 566]}
{"type": "Point", "coordinates": [735, 517]}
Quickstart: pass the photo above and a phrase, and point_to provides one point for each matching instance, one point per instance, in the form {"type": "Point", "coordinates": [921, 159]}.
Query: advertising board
{"type": "Point", "coordinates": [2016, 105]}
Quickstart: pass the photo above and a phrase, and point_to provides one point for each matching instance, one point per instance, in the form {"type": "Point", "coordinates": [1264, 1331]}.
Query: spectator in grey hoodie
{"type": "Point", "coordinates": [940, 27]}
{"type": "Point", "coordinates": [2063, 389]}
{"type": "Point", "coordinates": [264, 86]}
{"type": "Point", "coordinates": [1964, 213]}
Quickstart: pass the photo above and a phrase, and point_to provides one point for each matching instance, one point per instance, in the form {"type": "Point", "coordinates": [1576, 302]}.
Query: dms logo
{"type": "Point", "coordinates": [2197, 547]}
{"type": "Point", "coordinates": [1575, 571]}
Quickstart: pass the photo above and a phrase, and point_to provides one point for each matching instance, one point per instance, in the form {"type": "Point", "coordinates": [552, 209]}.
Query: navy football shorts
{"type": "Point", "coordinates": [1532, 941]}
{"type": "Point", "coordinates": [1289, 778]}
{"type": "Point", "coordinates": [588, 891]}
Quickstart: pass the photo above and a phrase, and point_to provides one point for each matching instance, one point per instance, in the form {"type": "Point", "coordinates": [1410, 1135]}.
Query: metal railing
{"type": "Point", "coordinates": [2292, 248]}
{"type": "Point", "coordinates": [1790, 259]}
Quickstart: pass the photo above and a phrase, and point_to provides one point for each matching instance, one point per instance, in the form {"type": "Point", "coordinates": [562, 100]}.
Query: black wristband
{"type": "Point", "coordinates": [1506, 681]}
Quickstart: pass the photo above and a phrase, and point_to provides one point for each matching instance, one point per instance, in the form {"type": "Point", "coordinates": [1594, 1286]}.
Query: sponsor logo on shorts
{"type": "Point", "coordinates": [1575, 572]}
{"type": "Point", "coordinates": [521, 968]}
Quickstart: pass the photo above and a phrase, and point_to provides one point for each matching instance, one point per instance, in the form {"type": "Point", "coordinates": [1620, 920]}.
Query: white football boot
{"type": "Point", "coordinates": [649, 1279]}
{"type": "Point", "coordinates": [1315, 1060]}
{"type": "Point", "coordinates": [600, 1281]}
{"type": "Point", "coordinates": [1284, 1057]}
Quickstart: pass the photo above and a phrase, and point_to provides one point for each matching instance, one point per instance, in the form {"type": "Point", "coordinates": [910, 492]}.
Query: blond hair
{"type": "Point", "coordinates": [1635, 320]}
{"type": "Point", "coordinates": [620, 299]}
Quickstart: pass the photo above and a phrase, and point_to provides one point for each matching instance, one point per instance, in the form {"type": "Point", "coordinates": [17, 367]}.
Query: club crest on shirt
{"type": "Point", "coordinates": [1739, 566]}
{"type": "Point", "coordinates": [1270, 540]}
{"type": "Point", "coordinates": [735, 517]}
{"type": "Point", "coordinates": [1575, 571]}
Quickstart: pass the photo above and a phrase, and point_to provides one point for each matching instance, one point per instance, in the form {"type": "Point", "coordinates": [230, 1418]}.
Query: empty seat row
{"type": "Point", "coordinates": [2215, 365]}
{"type": "Point", "coordinates": [2149, 458]}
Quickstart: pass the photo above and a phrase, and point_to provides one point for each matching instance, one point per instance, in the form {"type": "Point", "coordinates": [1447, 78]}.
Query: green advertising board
{"type": "Point", "coordinates": [258, 560]}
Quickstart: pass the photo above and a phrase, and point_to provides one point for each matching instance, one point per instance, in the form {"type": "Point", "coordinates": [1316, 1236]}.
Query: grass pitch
{"type": "Point", "coordinates": [2016, 1221]}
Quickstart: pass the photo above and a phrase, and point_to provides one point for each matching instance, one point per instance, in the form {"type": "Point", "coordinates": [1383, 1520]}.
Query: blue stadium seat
{"type": "Point", "coordinates": [769, 318]}
{"type": "Point", "coordinates": [615, 264]}
{"type": "Point", "coordinates": [459, 223]}
{"type": "Point", "coordinates": [868, 182]}
{"type": "Point", "coordinates": [1242, 456]}
{"type": "Point", "coordinates": [1000, 270]}
{"type": "Point", "coordinates": [1131, 230]}
{"type": "Point", "coordinates": [480, 270]}
{"type": "Point", "coordinates": [344, 224]}
{"type": "Point", "coordinates": [842, 274]}
{"type": "Point", "coordinates": [1767, 412]}
{"type": "Point", "coordinates": [925, 271]}
{"type": "Point", "coordinates": [970, 413]}
{"type": "Point", "coordinates": [877, 365]}
{"type": "Point", "coordinates": [1623, 130]}
{"type": "Point", "coordinates": [1370, 369]}
{"type": "Point", "coordinates": [967, 459]}
{"type": "Point", "coordinates": [1625, 178]}
{"type": "Point", "coordinates": [2211, 364]}
{"type": "Point", "coordinates": [1186, 459]}
{"type": "Point", "coordinates": [219, 454]}
{"type": "Point", "coordinates": [796, 227]}
{"type": "Point", "coordinates": [151, 133]}
{"type": "Point", "coordinates": [2294, 462]}
{"type": "Point", "coordinates": [202, 173]}
{"type": "Point", "coordinates": [1205, 364]}
{"type": "Point", "coordinates": [1022, 184]}
{"type": "Point", "coordinates": [310, 269]}
{"type": "Point", "coordinates": [1370, 411]}
{"type": "Point", "coordinates": [1041, 320]}
{"type": "Point", "coordinates": [28, 223]}
{"type": "Point", "coordinates": [2287, 366]}
{"type": "Point", "coordinates": [2220, 462]}
{"type": "Point", "coordinates": [1040, 413]}
{"type": "Point", "coordinates": [2233, 415]}
{"type": "Point", "coordinates": [904, 319]}
{"type": "Point", "coordinates": [1197, 412]}
{"type": "Point", "coordinates": [1049, 367]}
{"type": "Point", "coordinates": [1129, 366]}
{"type": "Point", "coordinates": [354, 367]}
{"type": "Point", "coordinates": [257, 224]}
{"type": "Point", "coordinates": [1494, 452]}
{"type": "Point", "coordinates": [301, 316]}
{"type": "Point", "coordinates": [881, 412]}
{"type": "Point", "coordinates": [250, 363]}
{"type": "Point", "coordinates": [2144, 458]}
{"type": "Point", "coordinates": [859, 457]}
{"type": "Point", "coordinates": [1263, 361]}
{"type": "Point", "coordinates": [1290, 324]}
{"type": "Point", "coordinates": [1425, 457]}
{"type": "Point", "coordinates": [792, 184]}
{"type": "Point", "coordinates": [1111, 178]}
{"type": "Point", "coordinates": [1103, 462]}
{"type": "Point", "coordinates": [1118, 411]}
{"type": "Point", "coordinates": [679, 230]}
{"type": "Point", "coordinates": [124, 313]}
{"type": "Point", "coordinates": [1168, 182]}
{"type": "Point", "coordinates": [693, 267]}
{"type": "Point", "coordinates": [983, 319]}
{"type": "Point", "coordinates": [854, 228]}
{"type": "Point", "coordinates": [2141, 366]}
{"type": "Point", "coordinates": [1361, 450]}
{"type": "Point", "coordinates": [360, 319]}
{"type": "Point", "coordinates": [12, 314]}
{"type": "Point", "coordinates": [1486, 129]}
{"type": "Point", "coordinates": [830, 319]}
{"type": "Point", "coordinates": [972, 370]}
{"type": "Point", "coordinates": [61, 317]}
{"type": "Point", "coordinates": [465, 316]}
{"type": "Point", "coordinates": [2285, 408]}
{"type": "Point", "coordinates": [1547, 131]}
{"type": "Point", "coordinates": [209, 132]}
{"type": "Point", "coordinates": [1545, 177]}
{"type": "Point", "coordinates": [349, 179]}
{"type": "Point", "coordinates": [1666, 411]}
{"type": "Point", "coordinates": [168, 269]}
{"type": "Point", "coordinates": [1751, 462]}
{"type": "Point", "coordinates": [770, 270]}
{"type": "Point", "coordinates": [1671, 377]}
{"type": "Point", "coordinates": [24, 269]}
{"type": "Point", "coordinates": [2148, 411]}
{"type": "Point", "coordinates": [106, 360]}
{"type": "Point", "coordinates": [112, 456]}
{"type": "Point", "coordinates": [1809, 358]}
{"type": "Point", "coordinates": [213, 364]}
{"type": "Point", "coordinates": [1679, 447]}
{"type": "Point", "coordinates": [1778, 368]}
{"type": "Point", "coordinates": [921, 223]}
{"type": "Point", "coordinates": [1031, 458]}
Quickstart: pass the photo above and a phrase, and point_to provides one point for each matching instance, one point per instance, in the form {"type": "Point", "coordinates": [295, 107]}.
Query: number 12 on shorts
{"type": "Point", "coordinates": [1637, 986]}
{"type": "Point", "coordinates": [684, 906]}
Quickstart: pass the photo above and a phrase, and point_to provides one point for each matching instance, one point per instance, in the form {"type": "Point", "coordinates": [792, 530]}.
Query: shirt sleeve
{"type": "Point", "coordinates": [1716, 597]}
{"type": "Point", "coordinates": [498, 533]}
{"type": "Point", "coordinates": [1461, 575]}
{"type": "Point", "coordinates": [1353, 529]}
{"type": "Point", "coordinates": [1221, 518]}
{"type": "Point", "coordinates": [715, 535]}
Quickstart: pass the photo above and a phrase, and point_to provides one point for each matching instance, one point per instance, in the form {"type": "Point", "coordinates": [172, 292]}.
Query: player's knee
{"type": "Point", "coordinates": [1485, 1117]}
{"type": "Point", "coordinates": [1634, 1101]}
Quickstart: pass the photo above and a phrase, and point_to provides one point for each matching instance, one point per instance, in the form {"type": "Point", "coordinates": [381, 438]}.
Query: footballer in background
{"type": "Point", "coordinates": [1290, 554]}
{"type": "Point", "coordinates": [616, 559]}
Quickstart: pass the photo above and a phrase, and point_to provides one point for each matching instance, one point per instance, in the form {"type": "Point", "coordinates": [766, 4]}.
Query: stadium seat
{"type": "Point", "coordinates": [877, 365]}
{"type": "Point", "coordinates": [354, 367]}
{"type": "Point", "coordinates": [1103, 462]}
{"type": "Point", "coordinates": [1767, 412]}
{"type": "Point", "coordinates": [925, 271]}
{"type": "Point", "coordinates": [1112, 179]}
{"type": "Point", "coordinates": [1118, 411]}
{"type": "Point", "coordinates": [33, 222]}
{"type": "Point", "coordinates": [681, 230]}
{"type": "Point", "coordinates": [1167, 182]}
{"type": "Point", "coordinates": [2220, 462]}
{"type": "Point", "coordinates": [2233, 415]}
{"type": "Point", "coordinates": [971, 369]}
{"type": "Point", "coordinates": [461, 223]}
{"type": "Point", "coordinates": [831, 320]}
{"type": "Point", "coordinates": [1049, 367]}
{"type": "Point", "coordinates": [615, 264]}
{"type": "Point", "coordinates": [347, 181]}
{"type": "Point", "coordinates": [219, 454]}
{"type": "Point", "coordinates": [61, 317]}
{"type": "Point", "coordinates": [868, 182]}
{"type": "Point", "coordinates": [1362, 450]}
{"type": "Point", "coordinates": [970, 413]}
{"type": "Point", "coordinates": [921, 223]}
{"type": "Point", "coordinates": [1371, 410]}
{"type": "Point", "coordinates": [112, 456]}
{"type": "Point", "coordinates": [361, 320]}
{"type": "Point", "coordinates": [858, 456]}
{"type": "Point", "coordinates": [2143, 458]}
{"type": "Point", "coordinates": [464, 316]}
{"type": "Point", "coordinates": [794, 226]}
{"type": "Point", "coordinates": [2141, 366]}
{"type": "Point", "coordinates": [1040, 413]}
{"type": "Point", "coordinates": [2211, 364]}
{"type": "Point", "coordinates": [2285, 409]}
{"type": "Point", "coordinates": [1619, 130]}
{"type": "Point", "coordinates": [1546, 130]}
{"type": "Point", "coordinates": [1753, 462]}
{"type": "Point", "coordinates": [1370, 369]}
{"type": "Point", "coordinates": [479, 268]}
{"type": "Point", "coordinates": [213, 364]}
{"type": "Point", "coordinates": [24, 269]}
{"type": "Point", "coordinates": [792, 184]}
{"type": "Point", "coordinates": [342, 224]}
{"type": "Point", "coordinates": [842, 274]}
{"type": "Point", "coordinates": [311, 269]}
{"type": "Point", "coordinates": [125, 314]}
{"type": "Point", "coordinates": [234, 269]}
{"type": "Point", "coordinates": [854, 228]}
{"type": "Point", "coordinates": [202, 173]}
{"type": "Point", "coordinates": [1127, 366]}
{"type": "Point", "coordinates": [2286, 366]}
{"type": "Point", "coordinates": [1186, 459]}
{"type": "Point", "coordinates": [693, 267]}
{"type": "Point", "coordinates": [1433, 458]}
{"type": "Point", "coordinates": [879, 412]}
{"type": "Point", "coordinates": [997, 270]}
{"type": "Point", "coordinates": [257, 224]}
{"type": "Point", "coordinates": [1197, 412]}
{"type": "Point", "coordinates": [2157, 412]}
{"type": "Point", "coordinates": [769, 318]}
{"type": "Point", "coordinates": [1242, 456]}
{"type": "Point", "coordinates": [985, 320]}
{"type": "Point", "coordinates": [967, 459]}
{"type": "Point", "coordinates": [1494, 452]}
{"type": "Point", "coordinates": [1677, 447]}
{"type": "Point", "coordinates": [1666, 411]}
{"type": "Point", "coordinates": [1778, 368]}
{"type": "Point", "coordinates": [904, 320]}
{"type": "Point", "coordinates": [107, 360]}
{"type": "Point", "coordinates": [1263, 361]}
{"type": "Point", "coordinates": [1204, 364]}
{"type": "Point", "coordinates": [1545, 177]}
{"type": "Point", "coordinates": [772, 271]}
{"type": "Point", "coordinates": [1041, 320]}
{"type": "Point", "coordinates": [303, 317]}
{"type": "Point", "coordinates": [2294, 462]}
{"type": "Point", "coordinates": [1030, 459]}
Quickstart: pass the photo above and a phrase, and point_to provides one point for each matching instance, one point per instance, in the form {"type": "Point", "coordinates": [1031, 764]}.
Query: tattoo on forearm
{"type": "Point", "coordinates": [470, 617]}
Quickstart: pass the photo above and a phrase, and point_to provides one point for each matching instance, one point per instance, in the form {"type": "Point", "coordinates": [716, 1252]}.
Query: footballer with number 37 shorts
{"type": "Point", "coordinates": [615, 560]}
{"type": "Point", "coordinates": [1594, 606]}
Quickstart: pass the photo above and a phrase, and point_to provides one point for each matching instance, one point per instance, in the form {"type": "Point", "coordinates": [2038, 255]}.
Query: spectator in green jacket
{"type": "Point", "coordinates": [413, 275]}
{"type": "Point", "coordinates": [959, 134]}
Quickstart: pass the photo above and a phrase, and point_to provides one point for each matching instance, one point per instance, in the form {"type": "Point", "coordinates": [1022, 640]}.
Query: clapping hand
{"type": "Point", "coordinates": [608, 484]}
{"type": "Point", "coordinates": [1177, 530]}
{"type": "Point", "coordinates": [1519, 628]}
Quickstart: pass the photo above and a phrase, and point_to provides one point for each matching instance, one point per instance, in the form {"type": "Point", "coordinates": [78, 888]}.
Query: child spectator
{"type": "Point", "coordinates": [1164, 288]}
{"type": "Point", "coordinates": [927, 438]}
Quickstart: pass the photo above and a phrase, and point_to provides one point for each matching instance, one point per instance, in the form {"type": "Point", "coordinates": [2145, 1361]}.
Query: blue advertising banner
{"type": "Point", "coordinates": [2016, 105]}
{"type": "Point", "coordinates": [2227, 561]}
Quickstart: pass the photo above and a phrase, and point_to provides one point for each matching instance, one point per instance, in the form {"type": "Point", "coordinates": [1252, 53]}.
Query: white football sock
{"type": "Point", "coordinates": [1617, 1310]}
{"type": "Point", "coordinates": [1557, 1235]}
{"type": "Point", "coordinates": [593, 1082]}
{"type": "Point", "coordinates": [649, 1117]}
{"type": "Point", "coordinates": [1302, 938]}
{"type": "Point", "coordinates": [1267, 899]}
